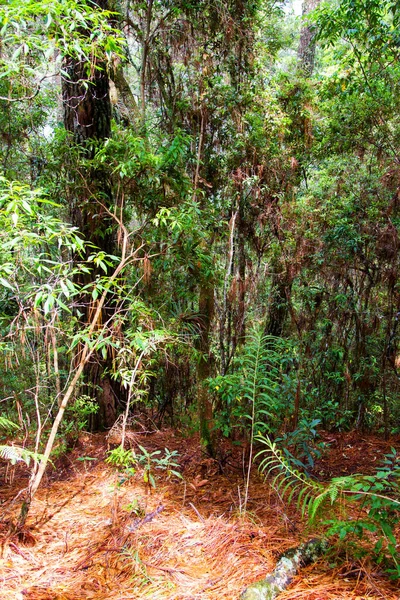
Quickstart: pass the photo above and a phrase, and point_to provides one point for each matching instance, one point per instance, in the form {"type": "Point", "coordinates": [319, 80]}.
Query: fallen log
{"type": "Point", "coordinates": [287, 566]}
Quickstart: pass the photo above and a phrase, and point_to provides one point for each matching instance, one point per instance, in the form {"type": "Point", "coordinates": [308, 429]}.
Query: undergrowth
{"type": "Point", "coordinates": [376, 498]}
{"type": "Point", "coordinates": [128, 462]}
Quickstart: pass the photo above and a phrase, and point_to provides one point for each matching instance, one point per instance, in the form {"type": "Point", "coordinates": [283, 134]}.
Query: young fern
{"type": "Point", "coordinates": [259, 379]}
{"type": "Point", "coordinates": [311, 494]}
{"type": "Point", "coordinates": [251, 391]}
{"type": "Point", "coordinates": [377, 496]}
{"type": "Point", "coordinates": [288, 481]}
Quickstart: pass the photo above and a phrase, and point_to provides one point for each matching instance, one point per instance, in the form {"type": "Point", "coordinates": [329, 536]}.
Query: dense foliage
{"type": "Point", "coordinates": [187, 188]}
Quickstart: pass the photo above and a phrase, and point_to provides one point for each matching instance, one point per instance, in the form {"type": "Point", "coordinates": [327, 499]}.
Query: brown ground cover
{"type": "Point", "coordinates": [92, 538]}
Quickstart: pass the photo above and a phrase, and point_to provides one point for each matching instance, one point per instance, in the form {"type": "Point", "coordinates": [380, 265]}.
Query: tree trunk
{"type": "Point", "coordinates": [281, 285]}
{"type": "Point", "coordinates": [145, 55]}
{"type": "Point", "coordinates": [306, 51]}
{"type": "Point", "coordinates": [87, 116]}
{"type": "Point", "coordinates": [205, 412]}
{"type": "Point", "coordinates": [240, 336]}
{"type": "Point", "coordinates": [281, 289]}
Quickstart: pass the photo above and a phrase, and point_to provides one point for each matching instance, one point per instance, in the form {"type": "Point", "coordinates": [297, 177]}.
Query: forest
{"type": "Point", "coordinates": [199, 299]}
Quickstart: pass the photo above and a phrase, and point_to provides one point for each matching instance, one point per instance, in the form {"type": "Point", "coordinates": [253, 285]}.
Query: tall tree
{"type": "Point", "coordinates": [306, 50]}
{"type": "Point", "coordinates": [284, 268]}
{"type": "Point", "coordinates": [87, 116]}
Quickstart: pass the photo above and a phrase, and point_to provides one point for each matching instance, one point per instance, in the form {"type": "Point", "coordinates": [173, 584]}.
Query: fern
{"type": "Point", "coordinates": [288, 481]}
{"type": "Point", "coordinates": [260, 377]}
{"type": "Point", "coordinates": [251, 393]}
{"type": "Point", "coordinates": [313, 494]}
{"type": "Point", "coordinates": [7, 424]}
{"type": "Point", "coordinates": [377, 494]}
{"type": "Point", "coordinates": [16, 454]}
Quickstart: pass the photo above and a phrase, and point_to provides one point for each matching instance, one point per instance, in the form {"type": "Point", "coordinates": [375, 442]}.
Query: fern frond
{"type": "Point", "coordinates": [282, 483]}
{"type": "Point", "coordinates": [303, 492]}
{"type": "Point", "coordinates": [294, 491]}
{"type": "Point", "coordinates": [306, 502]}
{"type": "Point", "coordinates": [289, 481]}
{"type": "Point", "coordinates": [315, 504]}
{"type": "Point", "coordinates": [16, 454]}
{"type": "Point", "coordinates": [333, 493]}
{"type": "Point", "coordinates": [7, 424]}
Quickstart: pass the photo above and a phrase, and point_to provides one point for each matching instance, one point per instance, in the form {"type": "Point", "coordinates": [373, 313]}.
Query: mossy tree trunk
{"type": "Point", "coordinates": [306, 51]}
{"type": "Point", "coordinates": [286, 568]}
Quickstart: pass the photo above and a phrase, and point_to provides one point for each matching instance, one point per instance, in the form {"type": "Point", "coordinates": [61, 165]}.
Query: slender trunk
{"type": "Point", "coordinates": [126, 109]}
{"type": "Point", "coordinates": [296, 409]}
{"type": "Point", "coordinates": [84, 357]}
{"type": "Point", "coordinates": [199, 152]}
{"type": "Point", "coordinates": [204, 404]}
{"type": "Point", "coordinates": [224, 329]}
{"type": "Point", "coordinates": [38, 474]}
{"type": "Point", "coordinates": [281, 288]}
{"type": "Point", "coordinates": [281, 285]}
{"type": "Point", "coordinates": [241, 270]}
{"type": "Point", "coordinates": [145, 55]}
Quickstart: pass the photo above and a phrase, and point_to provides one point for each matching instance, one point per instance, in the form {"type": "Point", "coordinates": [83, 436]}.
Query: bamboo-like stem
{"type": "Point", "coordinates": [198, 161]}
{"type": "Point", "coordinates": [228, 273]}
{"type": "Point", "coordinates": [253, 415]}
{"type": "Point", "coordinates": [85, 356]}
{"type": "Point", "coordinates": [128, 402]}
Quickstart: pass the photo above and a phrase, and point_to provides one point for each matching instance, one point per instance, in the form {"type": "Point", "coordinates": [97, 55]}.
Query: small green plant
{"type": "Point", "coordinates": [8, 426]}
{"type": "Point", "coordinates": [139, 567]}
{"type": "Point", "coordinates": [120, 458]}
{"type": "Point", "coordinates": [129, 462]}
{"type": "Point", "coordinates": [332, 415]}
{"type": "Point", "coordinates": [150, 461]}
{"type": "Point", "coordinates": [124, 461]}
{"type": "Point", "coordinates": [301, 446]}
{"type": "Point", "coordinates": [377, 497]}
{"type": "Point", "coordinates": [135, 508]}
{"type": "Point", "coordinates": [78, 414]}
{"type": "Point", "coordinates": [77, 419]}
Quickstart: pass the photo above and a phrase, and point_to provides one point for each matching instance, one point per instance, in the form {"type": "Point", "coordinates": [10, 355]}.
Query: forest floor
{"type": "Point", "coordinates": [95, 537]}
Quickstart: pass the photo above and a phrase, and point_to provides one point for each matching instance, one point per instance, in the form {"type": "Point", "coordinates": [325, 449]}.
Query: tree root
{"type": "Point", "coordinates": [287, 566]}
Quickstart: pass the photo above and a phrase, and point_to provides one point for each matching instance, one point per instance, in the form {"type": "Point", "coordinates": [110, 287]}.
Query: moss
{"type": "Point", "coordinates": [287, 566]}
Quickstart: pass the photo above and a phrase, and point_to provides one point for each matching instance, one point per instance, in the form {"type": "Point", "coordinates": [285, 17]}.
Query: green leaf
{"type": "Point", "coordinates": [6, 283]}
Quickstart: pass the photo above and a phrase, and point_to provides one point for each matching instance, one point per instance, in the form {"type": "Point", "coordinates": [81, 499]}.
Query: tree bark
{"type": "Point", "coordinates": [240, 336]}
{"type": "Point", "coordinates": [306, 51]}
{"type": "Point", "coordinates": [281, 288]}
{"type": "Point", "coordinates": [87, 116]}
{"type": "Point", "coordinates": [286, 568]}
